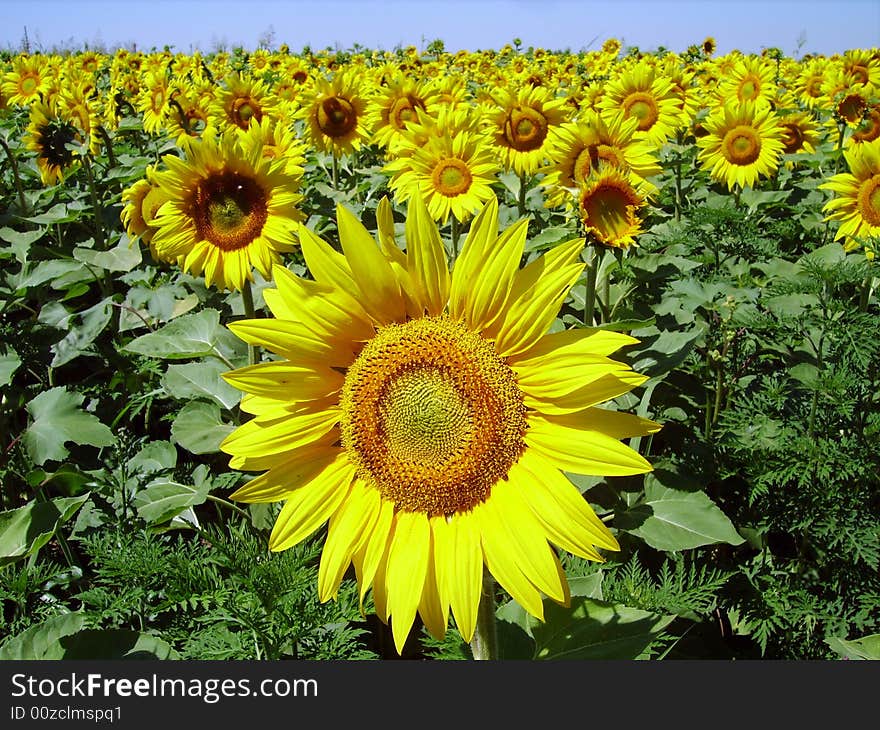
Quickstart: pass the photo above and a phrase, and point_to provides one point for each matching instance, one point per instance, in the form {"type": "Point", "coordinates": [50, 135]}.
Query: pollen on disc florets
{"type": "Point", "coordinates": [432, 416]}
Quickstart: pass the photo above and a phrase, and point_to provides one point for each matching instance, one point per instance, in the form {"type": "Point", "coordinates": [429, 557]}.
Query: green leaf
{"type": "Point", "coordinates": [592, 629]}
{"type": "Point", "coordinates": [199, 429]}
{"type": "Point", "coordinates": [163, 500]}
{"type": "Point", "coordinates": [9, 363]}
{"type": "Point", "coordinates": [83, 329]}
{"type": "Point", "coordinates": [57, 420]}
{"type": "Point", "coordinates": [25, 530]}
{"type": "Point", "coordinates": [123, 257]}
{"type": "Point", "coordinates": [868, 647]}
{"type": "Point", "coordinates": [189, 336]}
{"type": "Point", "coordinates": [201, 380]}
{"type": "Point", "coordinates": [63, 637]}
{"type": "Point", "coordinates": [42, 640]}
{"type": "Point", "coordinates": [47, 271]}
{"type": "Point", "coordinates": [671, 519]}
{"type": "Point", "coordinates": [663, 352]}
{"type": "Point", "coordinates": [156, 456]}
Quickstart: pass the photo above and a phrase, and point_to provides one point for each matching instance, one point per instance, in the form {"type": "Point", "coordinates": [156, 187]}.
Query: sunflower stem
{"type": "Point", "coordinates": [523, 189]}
{"type": "Point", "coordinates": [484, 645]}
{"type": "Point", "coordinates": [590, 293]}
{"type": "Point", "coordinates": [14, 164]}
{"type": "Point", "coordinates": [96, 205]}
{"type": "Point", "coordinates": [247, 298]}
{"type": "Point", "coordinates": [678, 190]}
{"type": "Point", "coordinates": [456, 234]}
{"type": "Point", "coordinates": [334, 170]}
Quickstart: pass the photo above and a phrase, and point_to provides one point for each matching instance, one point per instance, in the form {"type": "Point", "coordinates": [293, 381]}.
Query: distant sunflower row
{"type": "Point", "coordinates": [589, 128]}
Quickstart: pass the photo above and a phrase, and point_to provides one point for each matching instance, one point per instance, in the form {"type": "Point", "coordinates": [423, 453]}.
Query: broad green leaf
{"type": "Point", "coordinates": [25, 530]}
{"type": "Point", "coordinates": [42, 640]}
{"type": "Point", "coordinates": [162, 500]}
{"type": "Point", "coordinates": [122, 257]}
{"type": "Point", "coordinates": [154, 457]}
{"type": "Point", "coordinates": [199, 428]}
{"type": "Point", "coordinates": [114, 644]}
{"type": "Point", "coordinates": [661, 353]}
{"type": "Point", "coordinates": [9, 362]}
{"type": "Point", "coordinates": [671, 519]}
{"type": "Point", "coordinates": [201, 380]}
{"type": "Point", "coordinates": [58, 213]}
{"type": "Point", "coordinates": [189, 336]}
{"type": "Point", "coordinates": [47, 271]}
{"type": "Point", "coordinates": [592, 629]}
{"type": "Point", "coordinates": [867, 647]}
{"type": "Point", "coordinates": [82, 328]}
{"type": "Point", "coordinates": [57, 420]}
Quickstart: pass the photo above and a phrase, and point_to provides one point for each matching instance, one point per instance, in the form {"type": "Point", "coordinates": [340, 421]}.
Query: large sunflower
{"type": "Point", "coordinates": [742, 144]}
{"type": "Point", "coordinates": [856, 204]}
{"type": "Point", "coordinates": [229, 209]}
{"type": "Point", "coordinates": [429, 416]}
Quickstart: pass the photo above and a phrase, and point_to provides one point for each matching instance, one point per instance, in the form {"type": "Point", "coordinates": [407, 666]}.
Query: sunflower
{"type": "Point", "coordinates": [48, 134]}
{"type": "Point", "coordinates": [869, 129]}
{"type": "Point", "coordinates": [800, 134]}
{"type": "Point", "coordinates": [229, 209]}
{"type": "Point", "coordinates": [708, 46]}
{"type": "Point", "coordinates": [238, 101]}
{"type": "Point", "coordinates": [141, 202]}
{"type": "Point", "coordinates": [453, 173]}
{"type": "Point", "coordinates": [642, 94]}
{"type": "Point", "coordinates": [394, 106]}
{"type": "Point", "coordinates": [153, 102]}
{"type": "Point", "coordinates": [28, 79]}
{"type": "Point", "coordinates": [751, 79]}
{"type": "Point", "coordinates": [856, 204]}
{"type": "Point", "coordinates": [590, 142]}
{"type": "Point", "coordinates": [525, 126]}
{"type": "Point", "coordinates": [334, 111]}
{"type": "Point", "coordinates": [743, 143]}
{"type": "Point", "coordinates": [608, 203]}
{"type": "Point", "coordinates": [429, 416]}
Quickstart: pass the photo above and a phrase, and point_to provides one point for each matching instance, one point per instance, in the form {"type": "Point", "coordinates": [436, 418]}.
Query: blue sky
{"type": "Point", "coordinates": [795, 26]}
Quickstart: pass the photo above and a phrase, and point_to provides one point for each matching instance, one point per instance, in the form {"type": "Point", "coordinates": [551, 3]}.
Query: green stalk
{"type": "Point", "coordinates": [484, 645]}
{"type": "Point", "coordinates": [25, 211]}
{"type": "Point", "coordinates": [334, 170]}
{"type": "Point", "coordinates": [247, 298]}
{"type": "Point", "coordinates": [678, 192]}
{"type": "Point", "coordinates": [96, 206]}
{"type": "Point", "coordinates": [523, 189]}
{"type": "Point", "coordinates": [456, 234]}
{"type": "Point", "coordinates": [590, 294]}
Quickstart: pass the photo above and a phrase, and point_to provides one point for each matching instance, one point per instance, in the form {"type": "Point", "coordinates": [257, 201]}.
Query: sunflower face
{"type": "Point", "coordinates": [228, 209]}
{"type": "Point", "coordinates": [48, 136]}
{"type": "Point", "coordinates": [743, 143]}
{"type": "Point", "coordinates": [427, 416]}
{"type": "Point", "coordinates": [856, 203]}
{"type": "Point", "coordinates": [608, 204]}
{"type": "Point", "coordinates": [432, 416]}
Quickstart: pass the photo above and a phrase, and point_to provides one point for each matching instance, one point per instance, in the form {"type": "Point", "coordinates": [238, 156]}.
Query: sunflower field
{"type": "Point", "coordinates": [517, 354]}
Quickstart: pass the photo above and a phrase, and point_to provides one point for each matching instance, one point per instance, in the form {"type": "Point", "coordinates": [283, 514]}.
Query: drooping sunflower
{"type": "Point", "coordinates": [48, 134]}
{"type": "Point", "coordinates": [334, 110]}
{"type": "Point", "coordinates": [525, 127]}
{"type": "Point", "coordinates": [453, 173]}
{"type": "Point", "coordinates": [609, 202]}
{"type": "Point", "coordinates": [230, 209]}
{"type": "Point", "coordinates": [856, 203]}
{"type": "Point", "coordinates": [429, 416]}
{"type": "Point", "coordinates": [743, 143]}
{"type": "Point", "coordinates": [141, 202]}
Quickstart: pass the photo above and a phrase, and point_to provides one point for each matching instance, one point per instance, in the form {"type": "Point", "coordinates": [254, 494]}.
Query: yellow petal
{"type": "Point", "coordinates": [503, 564]}
{"type": "Point", "coordinates": [458, 561]}
{"type": "Point", "coordinates": [598, 391]}
{"type": "Point", "coordinates": [522, 533]}
{"type": "Point", "coordinates": [261, 437]}
{"type": "Point", "coordinates": [373, 552]}
{"type": "Point", "coordinates": [561, 374]}
{"type": "Point", "coordinates": [426, 258]}
{"type": "Point", "coordinates": [562, 510]}
{"type": "Point", "coordinates": [537, 294]}
{"type": "Point", "coordinates": [308, 508]}
{"type": "Point", "coordinates": [326, 265]}
{"type": "Point", "coordinates": [434, 613]}
{"type": "Point", "coordinates": [292, 340]}
{"type": "Point", "coordinates": [378, 286]}
{"type": "Point", "coordinates": [581, 341]}
{"type": "Point", "coordinates": [405, 576]}
{"type": "Point", "coordinates": [351, 521]}
{"type": "Point", "coordinates": [583, 451]}
{"type": "Point", "coordinates": [286, 381]}
{"type": "Point", "coordinates": [291, 472]}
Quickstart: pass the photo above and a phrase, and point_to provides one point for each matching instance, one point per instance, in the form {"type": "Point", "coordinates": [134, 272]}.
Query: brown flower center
{"type": "Point", "coordinates": [451, 177]}
{"type": "Point", "coordinates": [741, 145]}
{"type": "Point", "coordinates": [229, 210]}
{"type": "Point", "coordinates": [642, 107]}
{"type": "Point", "coordinates": [525, 128]}
{"type": "Point", "coordinates": [432, 417]}
{"type": "Point", "coordinates": [869, 200]}
{"type": "Point", "coordinates": [336, 117]}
